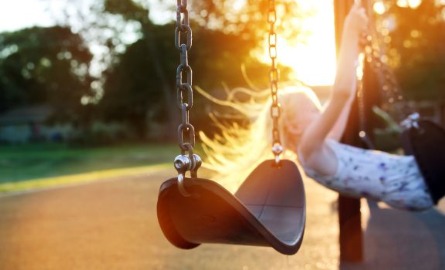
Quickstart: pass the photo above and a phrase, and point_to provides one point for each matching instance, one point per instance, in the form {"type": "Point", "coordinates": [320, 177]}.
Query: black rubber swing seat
{"type": "Point", "coordinates": [269, 209]}
{"type": "Point", "coordinates": [427, 143]}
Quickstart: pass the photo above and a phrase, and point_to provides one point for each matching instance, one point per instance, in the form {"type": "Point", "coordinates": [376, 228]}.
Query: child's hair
{"type": "Point", "coordinates": [234, 152]}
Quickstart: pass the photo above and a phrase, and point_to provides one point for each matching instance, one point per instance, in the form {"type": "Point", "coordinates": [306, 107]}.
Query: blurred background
{"type": "Point", "coordinates": [90, 85]}
{"type": "Point", "coordinates": [87, 93]}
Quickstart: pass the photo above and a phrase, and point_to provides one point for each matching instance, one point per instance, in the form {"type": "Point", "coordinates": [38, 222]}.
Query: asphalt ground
{"type": "Point", "coordinates": [112, 224]}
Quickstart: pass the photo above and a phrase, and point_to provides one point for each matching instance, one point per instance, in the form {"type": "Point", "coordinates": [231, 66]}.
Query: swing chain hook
{"type": "Point", "coordinates": [187, 161]}
{"type": "Point", "coordinates": [275, 109]}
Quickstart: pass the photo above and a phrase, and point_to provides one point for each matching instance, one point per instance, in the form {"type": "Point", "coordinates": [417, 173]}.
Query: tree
{"type": "Point", "coordinates": [250, 18]}
{"type": "Point", "coordinates": [150, 55]}
{"type": "Point", "coordinates": [137, 82]}
{"type": "Point", "coordinates": [416, 48]}
{"type": "Point", "coordinates": [44, 65]}
{"type": "Point", "coordinates": [133, 89]}
{"type": "Point", "coordinates": [216, 57]}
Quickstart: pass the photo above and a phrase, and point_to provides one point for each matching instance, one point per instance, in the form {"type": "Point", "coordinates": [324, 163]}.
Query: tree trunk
{"type": "Point", "coordinates": [165, 87]}
{"type": "Point", "coordinates": [351, 236]}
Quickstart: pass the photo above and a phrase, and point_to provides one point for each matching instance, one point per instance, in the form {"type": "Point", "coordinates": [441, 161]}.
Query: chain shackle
{"type": "Point", "coordinates": [187, 161]}
{"type": "Point", "coordinates": [275, 109]}
{"type": "Point", "coordinates": [184, 163]}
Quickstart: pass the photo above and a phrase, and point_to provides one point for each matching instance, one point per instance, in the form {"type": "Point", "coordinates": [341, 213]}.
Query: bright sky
{"type": "Point", "coordinates": [313, 62]}
{"type": "Point", "coordinates": [18, 14]}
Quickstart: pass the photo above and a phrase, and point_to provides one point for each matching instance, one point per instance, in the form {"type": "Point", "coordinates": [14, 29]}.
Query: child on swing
{"type": "Point", "coordinates": [313, 135]}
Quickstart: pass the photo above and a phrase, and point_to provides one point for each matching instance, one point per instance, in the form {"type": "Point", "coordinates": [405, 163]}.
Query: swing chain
{"type": "Point", "coordinates": [275, 109]}
{"type": "Point", "coordinates": [390, 87]}
{"type": "Point", "coordinates": [388, 82]}
{"type": "Point", "coordinates": [187, 161]}
{"type": "Point", "coordinates": [363, 134]}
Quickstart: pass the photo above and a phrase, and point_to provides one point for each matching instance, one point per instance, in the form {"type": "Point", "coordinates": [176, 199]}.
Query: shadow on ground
{"type": "Point", "coordinates": [403, 240]}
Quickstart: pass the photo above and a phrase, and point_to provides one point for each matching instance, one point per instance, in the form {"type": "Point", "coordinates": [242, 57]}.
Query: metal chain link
{"type": "Point", "coordinates": [390, 87]}
{"type": "Point", "coordinates": [363, 134]}
{"type": "Point", "coordinates": [187, 161]}
{"type": "Point", "coordinates": [275, 109]}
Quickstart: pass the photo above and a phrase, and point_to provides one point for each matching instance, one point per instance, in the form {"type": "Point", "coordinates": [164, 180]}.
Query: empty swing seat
{"type": "Point", "coordinates": [427, 143]}
{"type": "Point", "coordinates": [269, 209]}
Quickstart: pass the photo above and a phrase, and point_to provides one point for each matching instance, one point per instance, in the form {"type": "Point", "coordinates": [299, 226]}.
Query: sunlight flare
{"type": "Point", "coordinates": [314, 59]}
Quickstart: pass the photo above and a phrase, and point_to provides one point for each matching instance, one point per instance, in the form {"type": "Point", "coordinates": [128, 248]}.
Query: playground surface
{"type": "Point", "coordinates": [112, 224]}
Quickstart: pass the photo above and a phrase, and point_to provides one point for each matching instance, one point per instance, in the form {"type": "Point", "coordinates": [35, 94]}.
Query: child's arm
{"type": "Point", "coordinates": [348, 81]}
{"type": "Point", "coordinates": [335, 115]}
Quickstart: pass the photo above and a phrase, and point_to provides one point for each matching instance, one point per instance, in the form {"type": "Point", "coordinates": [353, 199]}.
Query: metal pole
{"type": "Point", "coordinates": [351, 236]}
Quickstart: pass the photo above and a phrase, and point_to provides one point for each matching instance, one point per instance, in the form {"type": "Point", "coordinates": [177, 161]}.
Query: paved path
{"type": "Point", "coordinates": [112, 225]}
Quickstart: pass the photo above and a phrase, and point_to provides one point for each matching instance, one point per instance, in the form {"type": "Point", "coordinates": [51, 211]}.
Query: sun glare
{"type": "Point", "coordinates": [238, 5]}
{"type": "Point", "coordinates": [409, 3]}
{"type": "Point", "coordinates": [314, 61]}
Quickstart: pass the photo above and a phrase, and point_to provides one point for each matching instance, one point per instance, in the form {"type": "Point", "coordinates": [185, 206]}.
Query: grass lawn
{"type": "Point", "coordinates": [24, 162]}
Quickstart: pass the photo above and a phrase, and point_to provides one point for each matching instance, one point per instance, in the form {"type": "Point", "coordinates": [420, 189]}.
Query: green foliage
{"type": "Point", "coordinates": [418, 42]}
{"type": "Point", "coordinates": [127, 8]}
{"type": "Point", "coordinates": [249, 20]}
{"type": "Point", "coordinates": [139, 88]}
{"type": "Point", "coordinates": [132, 88]}
{"type": "Point", "coordinates": [44, 65]}
{"type": "Point", "coordinates": [217, 58]}
{"type": "Point", "coordinates": [137, 85]}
